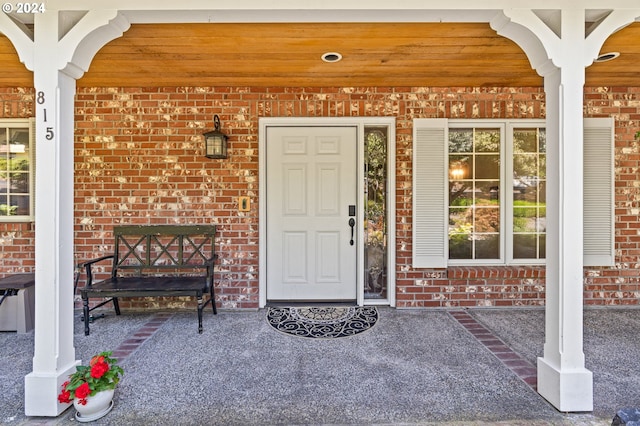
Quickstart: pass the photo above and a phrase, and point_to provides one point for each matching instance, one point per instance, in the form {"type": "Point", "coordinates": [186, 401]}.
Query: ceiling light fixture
{"type": "Point", "coordinates": [331, 57]}
{"type": "Point", "coordinates": [607, 56]}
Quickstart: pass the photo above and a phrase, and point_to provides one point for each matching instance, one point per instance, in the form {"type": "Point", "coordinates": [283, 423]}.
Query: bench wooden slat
{"type": "Point", "coordinates": [140, 285]}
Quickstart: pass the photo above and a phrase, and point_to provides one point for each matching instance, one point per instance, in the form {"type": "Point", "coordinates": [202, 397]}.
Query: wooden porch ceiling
{"type": "Point", "coordinates": [374, 54]}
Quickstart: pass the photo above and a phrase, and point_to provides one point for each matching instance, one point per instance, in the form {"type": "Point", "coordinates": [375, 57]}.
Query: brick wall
{"type": "Point", "coordinates": [620, 285]}
{"type": "Point", "coordinates": [458, 287]}
{"type": "Point", "coordinates": [139, 159]}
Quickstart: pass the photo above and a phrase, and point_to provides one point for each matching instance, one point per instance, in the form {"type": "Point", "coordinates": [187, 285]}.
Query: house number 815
{"type": "Point", "coordinates": [49, 130]}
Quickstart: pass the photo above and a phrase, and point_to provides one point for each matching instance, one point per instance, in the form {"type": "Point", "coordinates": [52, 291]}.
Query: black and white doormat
{"type": "Point", "coordinates": [323, 322]}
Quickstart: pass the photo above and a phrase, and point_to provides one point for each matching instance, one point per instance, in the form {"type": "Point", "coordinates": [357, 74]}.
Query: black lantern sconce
{"type": "Point", "coordinates": [215, 142]}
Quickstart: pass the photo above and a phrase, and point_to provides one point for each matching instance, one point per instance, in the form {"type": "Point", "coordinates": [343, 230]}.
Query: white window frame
{"type": "Point", "coordinates": [486, 124]}
{"type": "Point", "coordinates": [506, 128]}
{"type": "Point", "coordinates": [29, 124]}
{"type": "Point", "coordinates": [430, 191]}
{"type": "Point", "coordinates": [511, 125]}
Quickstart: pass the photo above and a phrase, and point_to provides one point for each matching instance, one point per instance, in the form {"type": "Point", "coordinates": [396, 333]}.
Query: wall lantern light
{"type": "Point", "coordinates": [215, 141]}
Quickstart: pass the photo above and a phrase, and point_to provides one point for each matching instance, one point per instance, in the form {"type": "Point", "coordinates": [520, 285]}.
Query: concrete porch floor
{"type": "Point", "coordinates": [470, 367]}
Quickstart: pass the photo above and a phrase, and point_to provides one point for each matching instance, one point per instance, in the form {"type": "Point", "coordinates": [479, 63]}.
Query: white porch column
{"type": "Point", "coordinates": [54, 353]}
{"type": "Point", "coordinates": [562, 377]}
{"type": "Point", "coordinates": [560, 51]}
{"type": "Point", "coordinates": [58, 61]}
{"type": "Point", "coordinates": [558, 54]}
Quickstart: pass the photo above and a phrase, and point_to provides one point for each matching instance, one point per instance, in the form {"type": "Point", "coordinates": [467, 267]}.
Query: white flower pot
{"type": "Point", "coordinates": [96, 407]}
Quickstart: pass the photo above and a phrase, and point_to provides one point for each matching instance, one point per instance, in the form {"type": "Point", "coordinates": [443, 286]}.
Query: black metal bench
{"type": "Point", "coordinates": [155, 260]}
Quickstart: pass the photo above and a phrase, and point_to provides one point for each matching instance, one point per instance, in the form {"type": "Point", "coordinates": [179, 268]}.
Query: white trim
{"type": "Point", "coordinates": [21, 38]}
{"type": "Point", "coordinates": [600, 227]}
{"type": "Point", "coordinates": [504, 196]}
{"type": "Point", "coordinates": [507, 127]}
{"type": "Point", "coordinates": [462, 6]}
{"type": "Point", "coordinates": [511, 125]}
{"type": "Point", "coordinates": [32, 174]}
{"type": "Point", "coordinates": [92, 32]}
{"type": "Point", "coordinates": [391, 210]}
{"type": "Point", "coordinates": [24, 123]}
{"type": "Point", "coordinates": [358, 122]}
{"type": "Point", "coordinates": [262, 213]}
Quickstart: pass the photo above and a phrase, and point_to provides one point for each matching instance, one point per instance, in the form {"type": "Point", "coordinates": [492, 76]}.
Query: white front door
{"type": "Point", "coordinates": [311, 198]}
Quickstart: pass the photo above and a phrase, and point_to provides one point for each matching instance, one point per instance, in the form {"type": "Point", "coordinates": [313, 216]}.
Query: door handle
{"type": "Point", "coordinates": [352, 223]}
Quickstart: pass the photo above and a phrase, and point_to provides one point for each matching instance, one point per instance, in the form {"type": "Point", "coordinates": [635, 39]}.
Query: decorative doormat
{"type": "Point", "coordinates": [323, 322]}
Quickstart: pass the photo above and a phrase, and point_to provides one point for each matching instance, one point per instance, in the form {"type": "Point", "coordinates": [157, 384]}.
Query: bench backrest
{"type": "Point", "coordinates": [163, 248]}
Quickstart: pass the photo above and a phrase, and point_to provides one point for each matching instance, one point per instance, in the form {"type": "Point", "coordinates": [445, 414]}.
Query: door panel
{"type": "Point", "coordinates": [328, 189]}
{"type": "Point", "coordinates": [311, 181]}
{"type": "Point", "coordinates": [294, 260]}
{"type": "Point", "coordinates": [327, 259]}
{"type": "Point", "coordinates": [294, 185]}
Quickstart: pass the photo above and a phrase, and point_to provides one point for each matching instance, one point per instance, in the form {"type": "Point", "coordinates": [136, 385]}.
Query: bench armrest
{"type": "Point", "coordinates": [88, 264]}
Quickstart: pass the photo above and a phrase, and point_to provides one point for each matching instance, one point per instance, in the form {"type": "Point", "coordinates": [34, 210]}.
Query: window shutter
{"type": "Point", "coordinates": [598, 192]}
{"type": "Point", "coordinates": [430, 197]}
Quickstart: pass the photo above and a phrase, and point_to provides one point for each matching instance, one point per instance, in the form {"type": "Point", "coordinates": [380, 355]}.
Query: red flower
{"type": "Point", "coordinates": [64, 397]}
{"type": "Point", "coordinates": [83, 391]}
{"type": "Point", "coordinates": [98, 369]}
{"type": "Point", "coordinates": [103, 373]}
{"type": "Point", "coordinates": [96, 359]}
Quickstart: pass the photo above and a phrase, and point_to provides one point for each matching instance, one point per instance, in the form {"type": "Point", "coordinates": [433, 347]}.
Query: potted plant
{"type": "Point", "coordinates": [91, 387]}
